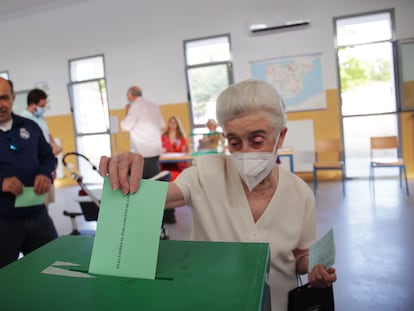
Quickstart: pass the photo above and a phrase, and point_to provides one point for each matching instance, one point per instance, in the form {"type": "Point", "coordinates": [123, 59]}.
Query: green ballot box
{"type": "Point", "coordinates": [190, 276]}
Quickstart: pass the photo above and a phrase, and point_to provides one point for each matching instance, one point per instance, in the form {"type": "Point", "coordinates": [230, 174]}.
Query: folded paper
{"type": "Point", "coordinates": [323, 251]}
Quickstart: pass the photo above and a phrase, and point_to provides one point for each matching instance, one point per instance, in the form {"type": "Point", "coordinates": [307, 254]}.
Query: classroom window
{"type": "Point", "coordinates": [208, 72]}
{"type": "Point", "coordinates": [365, 28]}
{"type": "Point", "coordinates": [89, 106]}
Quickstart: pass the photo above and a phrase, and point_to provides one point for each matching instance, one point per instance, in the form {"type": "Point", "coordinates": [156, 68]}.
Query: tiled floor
{"type": "Point", "coordinates": [374, 236]}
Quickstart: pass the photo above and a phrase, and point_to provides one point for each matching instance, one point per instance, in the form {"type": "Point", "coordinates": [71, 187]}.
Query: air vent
{"type": "Point", "coordinates": [262, 28]}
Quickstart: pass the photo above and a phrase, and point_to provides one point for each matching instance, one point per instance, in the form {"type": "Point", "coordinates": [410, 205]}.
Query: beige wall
{"type": "Point", "coordinates": [326, 125]}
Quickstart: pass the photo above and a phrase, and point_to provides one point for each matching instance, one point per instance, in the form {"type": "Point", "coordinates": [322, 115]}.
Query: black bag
{"type": "Point", "coordinates": [306, 298]}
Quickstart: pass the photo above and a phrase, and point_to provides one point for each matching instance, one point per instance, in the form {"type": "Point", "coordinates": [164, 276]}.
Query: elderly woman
{"type": "Point", "coordinates": [244, 196]}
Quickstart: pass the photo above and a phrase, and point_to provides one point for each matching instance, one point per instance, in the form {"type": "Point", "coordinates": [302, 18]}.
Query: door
{"type": "Point", "coordinates": [365, 57]}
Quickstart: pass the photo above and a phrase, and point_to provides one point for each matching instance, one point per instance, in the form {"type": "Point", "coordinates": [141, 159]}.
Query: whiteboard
{"type": "Point", "coordinates": [300, 136]}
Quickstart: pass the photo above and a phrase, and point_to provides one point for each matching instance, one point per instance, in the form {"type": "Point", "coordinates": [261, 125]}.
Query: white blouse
{"type": "Point", "coordinates": [213, 189]}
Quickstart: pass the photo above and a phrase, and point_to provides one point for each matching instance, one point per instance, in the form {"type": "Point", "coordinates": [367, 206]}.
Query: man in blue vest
{"type": "Point", "coordinates": [27, 165]}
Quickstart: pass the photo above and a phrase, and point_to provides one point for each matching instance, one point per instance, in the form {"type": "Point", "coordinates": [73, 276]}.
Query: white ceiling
{"type": "Point", "coordinates": [10, 9]}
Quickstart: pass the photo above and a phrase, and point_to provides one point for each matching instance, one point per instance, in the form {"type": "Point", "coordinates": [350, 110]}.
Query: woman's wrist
{"type": "Point", "coordinates": [302, 264]}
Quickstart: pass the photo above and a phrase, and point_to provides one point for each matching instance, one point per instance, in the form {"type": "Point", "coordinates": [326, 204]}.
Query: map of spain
{"type": "Point", "coordinates": [298, 79]}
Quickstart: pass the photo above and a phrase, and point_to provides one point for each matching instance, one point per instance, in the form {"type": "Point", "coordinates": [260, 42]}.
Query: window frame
{"type": "Point", "coordinates": [80, 135]}
{"type": "Point", "coordinates": [228, 64]}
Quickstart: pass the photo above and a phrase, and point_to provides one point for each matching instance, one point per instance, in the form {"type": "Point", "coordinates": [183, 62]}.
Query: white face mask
{"type": "Point", "coordinates": [253, 167]}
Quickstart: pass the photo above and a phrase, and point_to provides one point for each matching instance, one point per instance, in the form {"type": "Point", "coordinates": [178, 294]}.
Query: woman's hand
{"type": "Point", "coordinates": [321, 277]}
{"type": "Point", "coordinates": [124, 170]}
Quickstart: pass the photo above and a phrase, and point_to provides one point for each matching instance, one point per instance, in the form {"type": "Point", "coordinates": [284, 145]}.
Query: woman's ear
{"type": "Point", "coordinates": [282, 137]}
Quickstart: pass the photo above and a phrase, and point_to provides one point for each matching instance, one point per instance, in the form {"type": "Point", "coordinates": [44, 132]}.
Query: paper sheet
{"type": "Point", "coordinates": [323, 251]}
{"type": "Point", "coordinates": [29, 198]}
{"type": "Point", "coordinates": [67, 269]}
{"type": "Point", "coordinates": [128, 231]}
{"type": "Point", "coordinates": [173, 154]}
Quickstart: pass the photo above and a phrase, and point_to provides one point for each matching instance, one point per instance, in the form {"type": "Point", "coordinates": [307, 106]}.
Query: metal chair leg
{"type": "Point", "coordinates": [315, 181]}
{"type": "Point", "coordinates": [406, 182]}
{"type": "Point", "coordinates": [372, 179]}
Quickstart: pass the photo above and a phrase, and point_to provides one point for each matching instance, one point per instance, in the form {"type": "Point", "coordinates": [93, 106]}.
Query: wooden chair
{"type": "Point", "coordinates": [382, 144]}
{"type": "Point", "coordinates": [328, 148]}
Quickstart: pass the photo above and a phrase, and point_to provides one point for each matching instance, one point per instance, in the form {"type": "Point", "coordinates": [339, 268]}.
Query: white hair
{"type": "Point", "coordinates": [251, 97]}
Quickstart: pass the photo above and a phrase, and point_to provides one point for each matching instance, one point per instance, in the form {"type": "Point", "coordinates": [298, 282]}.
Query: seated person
{"type": "Point", "coordinates": [173, 140]}
{"type": "Point", "coordinates": [210, 140]}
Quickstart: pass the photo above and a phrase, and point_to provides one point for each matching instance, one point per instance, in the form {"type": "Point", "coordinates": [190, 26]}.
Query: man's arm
{"type": "Point", "coordinates": [128, 123]}
{"type": "Point", "coordinates": [47, 160]}
{"type": "Point", "coordinates": [56, 149]}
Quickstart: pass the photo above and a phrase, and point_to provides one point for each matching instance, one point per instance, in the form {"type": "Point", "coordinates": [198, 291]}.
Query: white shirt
{"type": "Point", "coordinates": [40, 121]}
{"type": "Point", "coordinates": [144, 123]}
{"type": "Point", "coordinates": [220, 210]}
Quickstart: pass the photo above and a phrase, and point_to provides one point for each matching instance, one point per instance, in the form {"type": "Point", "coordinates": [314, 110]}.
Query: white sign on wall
{"type": "Point", "coordinates": [300, 137]}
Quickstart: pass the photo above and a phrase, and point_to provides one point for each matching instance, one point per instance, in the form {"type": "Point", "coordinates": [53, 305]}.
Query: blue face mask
{"type": "Point", "coordinates": [40, 111]}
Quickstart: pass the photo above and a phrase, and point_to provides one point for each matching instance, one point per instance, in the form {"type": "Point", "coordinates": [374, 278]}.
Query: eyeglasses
{"type": "Point", "coordinates": [13, 143]}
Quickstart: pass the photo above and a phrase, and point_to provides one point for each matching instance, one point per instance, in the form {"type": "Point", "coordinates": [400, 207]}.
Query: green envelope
{"type": "Point", "coordinates": [29, 198]}
{"type": "Point", "coordinates": [128, 231]}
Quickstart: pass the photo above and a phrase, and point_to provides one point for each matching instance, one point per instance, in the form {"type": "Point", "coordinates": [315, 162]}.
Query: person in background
{"type": "Point", "coordinates": [35, 110]}
{"type": "Point", "coordinates": [173, 140]}
{"type": "Point", "coordinates": [210, 140]}
{"type": "Point", "coordinates": [26, 160]}
{"type": "Point", "coordinates": [127, 105]}
{"type": "Point", "coordinates": [211, 125]}
{"type": "Point", "coordinates": [144, 123]}
{"type": "Point", "coordinates": [244, 196]}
